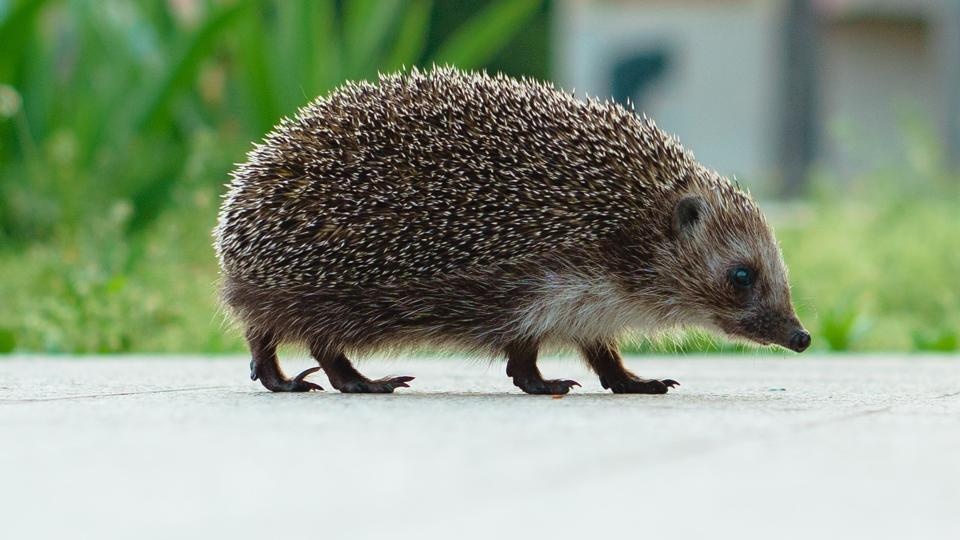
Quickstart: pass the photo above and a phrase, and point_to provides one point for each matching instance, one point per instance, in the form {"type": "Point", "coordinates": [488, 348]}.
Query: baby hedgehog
{"type": "Point", "coordinates": [496, 215]}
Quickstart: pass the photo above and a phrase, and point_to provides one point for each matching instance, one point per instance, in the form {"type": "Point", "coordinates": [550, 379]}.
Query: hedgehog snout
{"type": "Point", "coordinates": [800, 340]}
{"type": "Point", "coordinates": [792, 335]}
{"type": "Point", "coordinates": [771, 328]}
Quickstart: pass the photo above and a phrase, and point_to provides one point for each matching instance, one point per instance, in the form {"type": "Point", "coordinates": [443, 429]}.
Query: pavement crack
{"type": "Point", "coordinates": [948, 395]}
{"type": "Point", "coordinates": [105, 395]}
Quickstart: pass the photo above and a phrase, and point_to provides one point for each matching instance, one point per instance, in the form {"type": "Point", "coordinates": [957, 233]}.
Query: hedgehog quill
{"type": "Point", "coordinates": [493, 215]}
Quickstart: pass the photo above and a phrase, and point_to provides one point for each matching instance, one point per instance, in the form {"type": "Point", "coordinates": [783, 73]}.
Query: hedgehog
{"type": "Point", "coordinates": [442, 208]}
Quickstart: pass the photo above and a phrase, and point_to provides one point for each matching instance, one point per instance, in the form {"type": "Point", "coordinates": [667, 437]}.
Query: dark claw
{"type": "Point", "coordinates": [385, 385]}
{"type": "Point", "coordinates": [399, 381]}
{"type": "Point", "coordinates": [554, 387]}
{"type": "Point", "coordinates": [299, 378]}
{"type": "Point", "coordinates": [636, 385]}
{"type": "Point", "coordinates": [277, 383]}
{"type": "Point", "coordinates": [300, 385]}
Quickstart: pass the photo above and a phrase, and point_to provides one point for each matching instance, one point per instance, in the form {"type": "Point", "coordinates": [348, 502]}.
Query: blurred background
{"type": "Point", "coordinates": [120, 121]}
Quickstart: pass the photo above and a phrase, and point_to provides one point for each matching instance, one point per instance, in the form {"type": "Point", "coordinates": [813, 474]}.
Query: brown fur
{"type": "Point", "coordinates": [492, 215]}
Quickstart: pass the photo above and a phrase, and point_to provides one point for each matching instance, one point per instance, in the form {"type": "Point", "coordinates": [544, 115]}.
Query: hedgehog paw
{"type": "Point", "coordinates": [541, 386]}
{"type": "Point", "coordinates": [636, 385]}
{"type": "Point", "coordinates": [385, 385]}
{"type": "Point", "coordinates": [296, 384]}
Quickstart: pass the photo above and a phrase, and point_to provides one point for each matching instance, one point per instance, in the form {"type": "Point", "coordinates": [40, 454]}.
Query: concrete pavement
{"type": "Point", "coordinates": [748, 447]}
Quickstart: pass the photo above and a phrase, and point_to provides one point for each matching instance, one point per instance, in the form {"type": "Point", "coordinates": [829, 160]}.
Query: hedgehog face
{"type": "Point", "coordinates": [727, 270]}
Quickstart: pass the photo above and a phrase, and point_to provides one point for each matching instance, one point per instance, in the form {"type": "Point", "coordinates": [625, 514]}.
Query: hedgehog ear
{"type": "Point", "coordinates": [688, 214]}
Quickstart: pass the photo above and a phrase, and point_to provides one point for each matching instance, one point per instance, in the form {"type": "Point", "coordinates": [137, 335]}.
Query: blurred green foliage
{"type": "Point", "coordinates": [117, 96]}
{"type": "Point", "coordinates": [119, 123]}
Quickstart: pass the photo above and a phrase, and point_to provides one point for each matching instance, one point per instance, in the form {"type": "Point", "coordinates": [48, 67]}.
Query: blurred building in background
{"type": "Point", "coordinates": [764, 89]}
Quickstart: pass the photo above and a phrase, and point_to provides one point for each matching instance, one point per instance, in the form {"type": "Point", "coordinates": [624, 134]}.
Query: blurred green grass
{"type": "Point", "coordinates": [119, 122]}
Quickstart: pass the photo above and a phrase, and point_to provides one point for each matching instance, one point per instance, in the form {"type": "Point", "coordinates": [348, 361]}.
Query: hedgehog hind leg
{"type": "Point", "coordinates": [522, 367]}
{"type": "Point", "coordinates": [605, 360]}
{"type": "Point", "coordinates": [345, 378]}
{"type": "Point", "coordinates": [265, 366]}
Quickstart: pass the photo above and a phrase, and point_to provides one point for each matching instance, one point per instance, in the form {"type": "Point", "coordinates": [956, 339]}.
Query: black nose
{"type": "Point", "coordinates": [800, 340]}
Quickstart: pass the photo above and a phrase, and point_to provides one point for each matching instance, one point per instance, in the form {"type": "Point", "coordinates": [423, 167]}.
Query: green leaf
{"type": "Point", "coordinates": [182, 70]}
{"type": "Point", "coordinates": [366, 26]}
{"type": "Point", "coordinates": [479, 39]}
{"type": "Point", "coordinates": [842, 326]}
{"type": "Point", "coordinates": [323, 37]}
{"type": "Point", "coordinates": [944, 340]}
{"type": "Point", "coordinates": [8, 341]}
{"type": "Point", "coordinates": [256, 71]}
{"type": "Point", "coordinates": [115, 284]}
{"type": "Point", "coordinates": [306, 51]}
{"type": "Point", "coordinates": [411, 38]}
{"type": "Point", "coordinates": [15, 29]}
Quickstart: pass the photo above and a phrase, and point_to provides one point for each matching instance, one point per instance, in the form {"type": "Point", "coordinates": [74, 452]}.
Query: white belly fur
{"type": "Point", "coordinates": [581, 308]}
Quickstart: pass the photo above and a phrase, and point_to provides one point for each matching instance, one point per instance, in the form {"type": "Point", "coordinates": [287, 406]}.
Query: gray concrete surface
{"type": "Point", "coordinates": [750, 447]}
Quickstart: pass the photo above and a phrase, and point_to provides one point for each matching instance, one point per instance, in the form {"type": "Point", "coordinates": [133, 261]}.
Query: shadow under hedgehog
{"type": "Point", "coordinates": [490, 214]}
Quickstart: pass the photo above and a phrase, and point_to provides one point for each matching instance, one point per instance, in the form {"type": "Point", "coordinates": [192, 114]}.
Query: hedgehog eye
{"type": "Point", "coordinates": [742, 277]}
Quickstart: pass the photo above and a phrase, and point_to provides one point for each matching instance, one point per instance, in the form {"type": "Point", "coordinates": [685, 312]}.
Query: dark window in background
{"type": "Point", "coordinates": [633, 76]}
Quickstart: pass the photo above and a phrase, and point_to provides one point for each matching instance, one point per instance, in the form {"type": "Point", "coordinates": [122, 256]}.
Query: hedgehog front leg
{"type": "Point", "coordinates": [522, 366]}
{"type": "Point", "coordinates": [345, 378]}
{"type": "Point", "coordinates": [265, 366]}
{"type": "Point", "coordinates": [605, 360]}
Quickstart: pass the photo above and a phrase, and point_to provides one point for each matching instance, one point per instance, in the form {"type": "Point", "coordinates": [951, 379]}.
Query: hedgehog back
{"type": "Point", "coordinates": [428, 174]}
